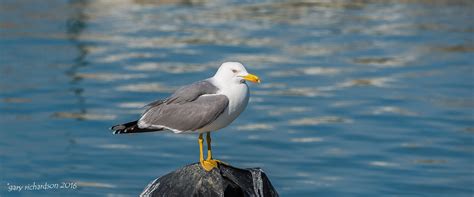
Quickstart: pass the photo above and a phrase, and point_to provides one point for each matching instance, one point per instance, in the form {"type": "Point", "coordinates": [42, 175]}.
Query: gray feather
{"type": "Point", "coordinates": [191, 92]}
{"type": "Point", "coordinates": [186, 94]}
{"type": "Point", "coordinates": [188, 109]}
{"type": "Point", "coordinates": [189, 116]}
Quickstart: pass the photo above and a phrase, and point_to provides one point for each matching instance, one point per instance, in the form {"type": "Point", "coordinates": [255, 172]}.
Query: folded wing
{"type": "Point", "coordinates": [188, 109]}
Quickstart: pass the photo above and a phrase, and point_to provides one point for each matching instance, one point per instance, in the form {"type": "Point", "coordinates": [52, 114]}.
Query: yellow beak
{"type": "Point", "coordinates": [252, 78]}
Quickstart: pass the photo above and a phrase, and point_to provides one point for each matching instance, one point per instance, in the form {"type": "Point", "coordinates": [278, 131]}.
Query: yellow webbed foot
{"type": "Point", "coordinates": [208, 165]}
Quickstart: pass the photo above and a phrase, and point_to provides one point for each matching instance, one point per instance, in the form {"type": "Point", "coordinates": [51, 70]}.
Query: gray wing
{"type": "Point", "coordinates": [186, 94]}
{"type": "Point", "coordinates": [191, 92]}
{"type": "Point", "coordinates": [188, 116]}
{"type": "Point", "coordinates": [188, 109]}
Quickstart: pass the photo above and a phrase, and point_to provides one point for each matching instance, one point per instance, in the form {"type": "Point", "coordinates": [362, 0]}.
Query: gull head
{"type": "Point", "coordinates": [235, 72]}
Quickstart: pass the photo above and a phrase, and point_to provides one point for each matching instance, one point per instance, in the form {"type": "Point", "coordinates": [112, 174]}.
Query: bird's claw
{"type": "Point", "coordinates": [210, 164]}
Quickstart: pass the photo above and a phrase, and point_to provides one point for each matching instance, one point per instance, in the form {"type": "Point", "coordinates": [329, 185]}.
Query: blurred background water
{"type": "Point", "coordinates": [359, 98]}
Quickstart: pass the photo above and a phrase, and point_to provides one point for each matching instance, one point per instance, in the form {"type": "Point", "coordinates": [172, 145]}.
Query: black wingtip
{"type": "Point", "coordinates": [117, 129]}
{"type": "Point", "coordinates": [130, 127]}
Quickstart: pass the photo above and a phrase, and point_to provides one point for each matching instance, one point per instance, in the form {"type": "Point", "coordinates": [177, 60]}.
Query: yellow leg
{"type": "Point", "coordinates": [209, 163]}
{"type": "Point", "coordinates": [209, 151]}
{"type": "Point", "coordinates": [201, 156]}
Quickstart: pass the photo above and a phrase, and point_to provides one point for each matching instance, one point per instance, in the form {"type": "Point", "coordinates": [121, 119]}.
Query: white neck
{"type": "Point", "coordinates": [237, 93]}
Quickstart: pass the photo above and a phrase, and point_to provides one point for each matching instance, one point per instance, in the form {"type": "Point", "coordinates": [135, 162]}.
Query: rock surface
{"type": "Point", "coordinates": [193, 180]}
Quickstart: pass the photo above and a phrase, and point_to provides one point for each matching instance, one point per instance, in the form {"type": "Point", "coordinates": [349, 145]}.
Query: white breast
{"type": "Point", "coordinates": [238, 95]}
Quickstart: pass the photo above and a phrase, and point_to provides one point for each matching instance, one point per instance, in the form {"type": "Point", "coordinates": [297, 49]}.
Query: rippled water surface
{"type": "Point", "coordinates": [359, 98]}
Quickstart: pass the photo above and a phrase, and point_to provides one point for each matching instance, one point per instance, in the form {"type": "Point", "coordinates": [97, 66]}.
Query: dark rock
{"type": "Point", "coordinates": [193, 180]}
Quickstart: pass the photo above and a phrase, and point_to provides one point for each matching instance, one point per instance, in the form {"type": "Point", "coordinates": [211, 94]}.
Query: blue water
{"type": "Point", "coordinates": [359, 98]}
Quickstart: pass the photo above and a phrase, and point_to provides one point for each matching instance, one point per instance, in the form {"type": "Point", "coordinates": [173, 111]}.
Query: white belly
{"type": "Point", "coordinates": [238, 97]}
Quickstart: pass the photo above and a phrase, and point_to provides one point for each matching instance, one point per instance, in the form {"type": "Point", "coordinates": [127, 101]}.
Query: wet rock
{"type": "Point", "coordinates": [193, 180]}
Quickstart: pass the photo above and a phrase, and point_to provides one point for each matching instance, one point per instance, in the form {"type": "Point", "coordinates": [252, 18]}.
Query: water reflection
{"type": "Point", "coordinates": [393, 109]}
{"type": "Point", "coordinates": [361, 95]}
{"type": "Point", "coordinates": [256, 127]}
{"type": "Point", "coordinates": [84, 115]}
{"type": "Point", "coordinates": [319, 120]}
{"type": "Point", "coordinates": [75, 25]}
{"type": "Point", "coordinates": [146, 87]}
{"type": "Point", "coordinates": [174, 68]}
{"type": "Point", "coordinates": [108, 76]}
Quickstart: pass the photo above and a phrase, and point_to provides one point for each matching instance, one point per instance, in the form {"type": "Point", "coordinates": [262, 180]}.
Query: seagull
{"type": "Point", "coordinates": [203, 107]}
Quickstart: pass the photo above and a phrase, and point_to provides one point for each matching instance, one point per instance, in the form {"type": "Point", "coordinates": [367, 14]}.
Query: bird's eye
{"type": "Point", "coordinates": [234, 71]}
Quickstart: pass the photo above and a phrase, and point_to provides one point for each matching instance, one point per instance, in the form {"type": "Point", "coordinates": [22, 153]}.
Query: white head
{"type": "Point", "coordinates": [235, 72]}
